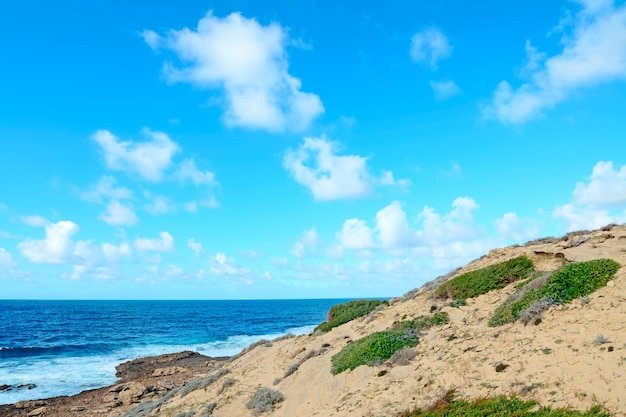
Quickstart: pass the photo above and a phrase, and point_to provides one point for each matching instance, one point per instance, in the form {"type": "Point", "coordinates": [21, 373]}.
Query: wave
{"type": "Point", "coordinates": [61, 350]}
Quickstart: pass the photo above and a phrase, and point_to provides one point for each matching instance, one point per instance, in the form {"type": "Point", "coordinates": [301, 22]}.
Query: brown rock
{"type": "Point", "coordinates": [78, 408]}
{"type": "Point", "coordinates": [38, 412]}
{"type": "Point", "coordinates": [169, 371]}
{"type": "Point", "coordinates": [132, 393]}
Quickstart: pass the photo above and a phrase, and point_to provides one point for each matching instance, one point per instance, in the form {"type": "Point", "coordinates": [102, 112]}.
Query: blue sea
{"type": "Point", "coordinates": [65, 347]}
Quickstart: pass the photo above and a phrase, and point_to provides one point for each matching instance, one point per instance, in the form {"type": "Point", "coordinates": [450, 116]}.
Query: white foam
{"type": "Point", "coordinates": [71, 375]}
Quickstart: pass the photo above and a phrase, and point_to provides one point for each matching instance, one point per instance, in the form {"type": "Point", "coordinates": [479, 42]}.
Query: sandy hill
{"type": "Point", "coordinates": [570, 355]}
{"type": "Point", "coordinates": [574, 356]}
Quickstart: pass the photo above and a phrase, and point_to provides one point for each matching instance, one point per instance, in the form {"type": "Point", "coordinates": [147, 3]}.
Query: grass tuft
{"type": "Point", "coordinates": [481, 281]}
{"type": "Point", "coordinates": [264, 400]}
{"type": "Point", "coordinates": [343, 313]}
{"type": "Point", "coordinates": [501, 406]}
{"type": "Point", "coordinates": [568, 283]}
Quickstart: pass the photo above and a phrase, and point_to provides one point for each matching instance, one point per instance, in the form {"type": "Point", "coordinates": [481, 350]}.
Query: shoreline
{"type": "Point", "coordinates": [138, 380]}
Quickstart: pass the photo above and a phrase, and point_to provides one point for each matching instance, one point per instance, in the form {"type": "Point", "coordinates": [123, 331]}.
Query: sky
{"type": "Point", "coordinates": [318, 149]}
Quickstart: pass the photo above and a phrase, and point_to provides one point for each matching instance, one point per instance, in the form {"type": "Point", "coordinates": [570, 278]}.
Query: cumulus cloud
{"type": "Point", "coordinates": [188, 171]}
{"type": "Point", "coordinates": [164, 243]}
{"type": "Point", "coordinates": [593, 52]}
{"type": "Point", "coordinates": [106, 189]}
{"type": "Point", "coordinates": [306, 245]}
{"type": "Point", "coordinates": [118, 214]}
{"type": "Point", "coordinates": [248, 62]}
{"type": "Point", "coordinates": [511, 227]}
{"type": "Point", "coordinates": [355, 234]}
{"type": "Point", "coordinates": [457, 225]}
{"type": "Point", "coordinates": [115, 253]}
{"type": "Point", "coordinates": [316, 165]}
{"type": "Point", "coordinates": [6, 260]}
{"type": "Point", "coordinates": [393, 227]}
{"type": "Point", "coordinates": [598, 201]}
{"type": "Point", "coordinates": [430, 46]}
{"type": "Point", "coordinates": [158, 204]}
{"type": "Point", "coordinates": [148, 159]}
{"type": "Point", "coordinates": [221, 264]}
{"type": "Point", "coordinates": [35, 221]}
{"type": "Point", "coordinates": [56, 248]}
{"type": "Point", "coordinates": [195, 246]}
{"type": "Point", "coordinates": [445, 89]}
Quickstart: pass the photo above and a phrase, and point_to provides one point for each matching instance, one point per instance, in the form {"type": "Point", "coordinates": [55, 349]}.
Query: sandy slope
{"type": "Point", "coordinates": [555, 362]}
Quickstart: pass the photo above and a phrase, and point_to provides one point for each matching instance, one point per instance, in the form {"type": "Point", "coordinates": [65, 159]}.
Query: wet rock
{"type": "Point", "coordinates": [5, 387]}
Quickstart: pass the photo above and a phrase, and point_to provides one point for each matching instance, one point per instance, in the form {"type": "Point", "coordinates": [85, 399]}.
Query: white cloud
{"type": "Point", "coordinates": [593, 53]}
{"type": "Point", "coordinates": [248, 61]}
{"type": "Point", "coordinates": [445, 89]}
{"type": "Point", "coordinates": [195, 246]}
{"type": "Point", "coordinates": [393, 227]}
{"type": "Point", "coordinates": [148, 159]}
{"type": "Point", "coordinates": [458, 225]}
{"type": "Point", "coordinates": [6, 260]}
{"type": "Point", "coordinates": [306, 245]}
{"type": "Point", "coordinates": [220, 264]}
{"type": "Point", "coordinates": [35, 221]}
{"type": "Point", "coordinates": [56, 248]}
{"type": "Point", "coordinates": [188, 170]}
{"type": "Point", "coordinates": [106, 189]}
{"type": "Point", "coordinates": [429, 47]}
{"type": "Point", "coordinates": [164, 243]}
{"type": "Point", "coordinates": [114, 253]}
{"type": "Point", "coordinates": [118, 214]}
{"type": "Point", "coordinates": [599, 201]}
{"type": "Point", "coordinates": [316, 165]}
{"type": "Point", "coordinates": [158, 204]}
{"type": "Point", "coordinates": [355, 234]}
{"type": "Point", "coordinates": [511, 227]}
{"type": "Point", "coordinates": [606, 187]}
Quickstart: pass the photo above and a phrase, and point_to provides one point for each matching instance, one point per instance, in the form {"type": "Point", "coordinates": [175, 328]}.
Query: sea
{"type": "Point", "coordinates": [53, 348]}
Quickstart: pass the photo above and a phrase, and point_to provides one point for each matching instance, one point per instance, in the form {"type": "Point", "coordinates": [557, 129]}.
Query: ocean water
{"type": "Point", "coordinates": [65, 347]}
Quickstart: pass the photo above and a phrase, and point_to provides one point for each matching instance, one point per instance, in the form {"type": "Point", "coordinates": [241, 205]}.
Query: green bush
{"type": "Point", "coordinates": [371, 350]}
{"type": "Point", "coordinates": [481, 281]}
{"type": "Point", "coordinates": [501, 406]}
{"type": "Point", "coordinates": [343, 313]}
{"type": "Point", "coordinates": [568, 283]}
{"type": "Point", "coordinates": [422, 322]}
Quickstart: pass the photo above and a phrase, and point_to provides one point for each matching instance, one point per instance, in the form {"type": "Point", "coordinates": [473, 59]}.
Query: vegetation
{"type": "Point", "coordinates": [422, 323]}
{"type": "Point", "coordinates": [498, 406]}
{"type": "Point", "coordinates": [264, 400]}
{"type": "Point", "coordinates": [373, 349]}
{"type": "Point", "coordinates": [377, 347]}
{"type": "Point", "coordinates": [481, 281]}
{"type": "Point", "coordinates": [568, 283]}
{"type": "Point", "coordinates": [343, 313]}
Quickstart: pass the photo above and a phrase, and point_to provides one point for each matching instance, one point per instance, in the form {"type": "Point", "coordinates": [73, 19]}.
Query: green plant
{"type": "Point", "coordinates": [481, 281]}
{"type": "Point", "coordinates": [568, 283]}
{"type": "Point", "coordinates": [264, 400]}
{"type": "Point", "coordinates": [501, 406]}
{"type": "Point", "coordinates": [371, 350]}
{"type": "Point", "coordinates": [343, 313]}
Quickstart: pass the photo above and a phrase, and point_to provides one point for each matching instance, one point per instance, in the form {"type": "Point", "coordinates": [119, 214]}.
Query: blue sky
{"type": "Point", "coordinates": [209, 150]}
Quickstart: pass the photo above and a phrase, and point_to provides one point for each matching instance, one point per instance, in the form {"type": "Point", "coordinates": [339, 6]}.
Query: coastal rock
{"type": "Point", "coordinates": [38, 412]}
{"type": "Point", "coordinates": [29, 404]}
{"type": "Point", "coordinates": [169, 371]}
{"type": "Point", "coordinates": [5, 387]}
{"type": "Point", "coordinates": [132, 393]}
{"type": "Point", "coordinates": [78, 408]}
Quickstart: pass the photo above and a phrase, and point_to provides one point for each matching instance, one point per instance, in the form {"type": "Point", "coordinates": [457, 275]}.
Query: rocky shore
{"type": "Point", "coordinates": [139, 380]}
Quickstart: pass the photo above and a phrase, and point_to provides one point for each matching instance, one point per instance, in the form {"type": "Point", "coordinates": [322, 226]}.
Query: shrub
{"type": "Point", "coordinates": [403, 357]}
{"type": "Point", "coordinates": [293, 368]}
{"type": "Point", "coordinates": [343, 313]}
{"type": "Point", "coordinates": [264, 400]}
{"type": "Point", "coordinates": [371, 350]}
{"type": "Point", "coordinates": [601, 339]}
{"type": "Point", "coordinates": [203, 383]}
{"type": "Point", "coordinates": [208, 410]}
{"type": "Point", "coordinates": [534, 310]}
{"type": "Point", "coordinates": [229, 382]}
{"type": "Point", "coordinates": [568, 283]}
{"type": "Point", "coordinates": [421, 323]}
{"type": "Point", "coordinates": [481, 281]}
{"type": "Point", "coordinates": [501, 406]}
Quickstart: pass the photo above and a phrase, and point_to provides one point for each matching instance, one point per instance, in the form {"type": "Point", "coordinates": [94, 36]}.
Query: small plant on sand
{"type": "Point", "coordinates": [373, 349]}
{"type": "Point", "coordinates": [421, 323]}
{"type": "Point", "coordinates": [264, 400]}
{"type": "Point", "coordinates": [501, 406]}
{"type": "Point", "coordinates": [568, 283]}
{"type": "Point", "coordinates": [343, 313]}
{"type": "Point", "coordinates": [403, 357]}
{"type": "Point", "coordinates": [481, 281]}
{"type": "Point", "coordinates": [601, 339]}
